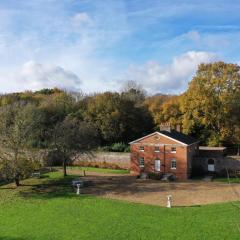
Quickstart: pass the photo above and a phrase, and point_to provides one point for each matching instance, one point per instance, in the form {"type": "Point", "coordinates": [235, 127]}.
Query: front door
{"type": "Point", "coordinates": [157, 165]}
{"type": "Point", "coordinates": [211, 166]}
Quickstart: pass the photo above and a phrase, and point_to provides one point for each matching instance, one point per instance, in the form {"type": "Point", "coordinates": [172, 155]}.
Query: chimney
{"type": "Point", "coordinates": [179, 128]}
{"type": "Point", "coordinates": [165, 127]}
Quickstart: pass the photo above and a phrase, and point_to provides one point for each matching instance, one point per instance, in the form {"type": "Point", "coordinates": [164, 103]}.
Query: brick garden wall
{"type": "Point", "coordinates": [104, 159]}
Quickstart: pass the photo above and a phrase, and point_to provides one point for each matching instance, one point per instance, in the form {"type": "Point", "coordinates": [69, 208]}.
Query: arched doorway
{"type": "Point", "coordinates": [211, 165]}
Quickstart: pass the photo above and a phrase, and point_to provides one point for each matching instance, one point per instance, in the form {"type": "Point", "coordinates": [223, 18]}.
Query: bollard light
{"type": "Point", "coordinates": [169, 201]}
{"type": "Point", "coordinates": [78, 189]}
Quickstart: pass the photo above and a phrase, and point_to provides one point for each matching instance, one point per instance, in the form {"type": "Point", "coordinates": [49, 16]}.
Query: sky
{"type": "Point", "coordinates": [96, 46]}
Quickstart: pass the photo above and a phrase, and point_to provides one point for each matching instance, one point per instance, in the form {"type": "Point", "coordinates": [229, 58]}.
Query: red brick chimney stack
{"type": "Point", "coordinates": [165, 127]}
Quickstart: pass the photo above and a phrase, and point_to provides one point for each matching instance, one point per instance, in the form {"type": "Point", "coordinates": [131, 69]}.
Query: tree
{"type": "Point", "coordinates": [16, 127]}
{"type": "Point", "coordinates": [154, 105]}
{"type": "Point", "coordinates": [71, 137]}
{"type": "Point", "coordinates": [211, 104]}
{"type": "Point", "coordinates": [134, 92]}
{"type": "Point", "coordinates": [117, 119]}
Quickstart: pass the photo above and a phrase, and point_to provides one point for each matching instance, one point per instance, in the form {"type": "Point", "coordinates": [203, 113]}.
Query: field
{"type": "Point", "coordinates": [47, 208]}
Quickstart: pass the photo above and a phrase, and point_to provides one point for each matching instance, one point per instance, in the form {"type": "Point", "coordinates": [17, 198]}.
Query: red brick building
{"type": "Point", "coordinates": [164, 152]}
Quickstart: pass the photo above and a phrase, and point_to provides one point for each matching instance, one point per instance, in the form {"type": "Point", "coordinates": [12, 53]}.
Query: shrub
{"type": "Point", "coordinates": [118, 147]}
{"type": "Point", "coordinates": [155, 176]}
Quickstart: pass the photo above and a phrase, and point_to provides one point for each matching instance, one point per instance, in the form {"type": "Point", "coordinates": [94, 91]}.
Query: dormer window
{"type": "Point", "coordinates": [141, 148]}
{"type": "Point", "coordinates": [173, 149]}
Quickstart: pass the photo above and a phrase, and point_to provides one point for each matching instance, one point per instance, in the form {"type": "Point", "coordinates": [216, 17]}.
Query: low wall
{"type": "Point", "coordinates": [230, 163]}
{"type": "Point", "coordinates": [114, 159]}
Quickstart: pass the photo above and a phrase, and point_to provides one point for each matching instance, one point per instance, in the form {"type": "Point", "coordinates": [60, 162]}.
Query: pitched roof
{"type": "Point", "coordinates": [177, 136]}
{"type": "Point", "coordinates": [181, 137]}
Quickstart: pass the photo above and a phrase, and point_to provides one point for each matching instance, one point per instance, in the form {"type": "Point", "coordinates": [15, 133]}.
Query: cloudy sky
{"type": "Point", "coordinates": [96, 45]}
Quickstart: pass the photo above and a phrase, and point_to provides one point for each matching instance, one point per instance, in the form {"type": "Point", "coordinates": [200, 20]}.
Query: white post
{"type": "Point", "coordinates": [78, 189]}
{"type": "Point", "coordinates": [169, 201]}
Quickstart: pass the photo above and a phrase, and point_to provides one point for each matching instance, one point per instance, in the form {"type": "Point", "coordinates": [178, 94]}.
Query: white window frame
{"type": "Point", "coordinates": [141, 148]}
{"type": "Point", "coordinates": [156, 150]}
{"type": "Point", "coordinates": [173, 151]}
{"type": "Point", "coordinates": [173, 160]}
{"type": "Point", "coordinates": [141, 162]}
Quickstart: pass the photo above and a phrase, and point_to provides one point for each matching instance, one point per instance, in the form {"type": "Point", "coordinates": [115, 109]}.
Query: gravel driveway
{"type": "Point", "coordinates": [191, 192]}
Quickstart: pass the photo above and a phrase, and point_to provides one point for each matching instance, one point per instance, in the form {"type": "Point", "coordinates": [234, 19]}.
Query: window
{"type": "Point", "coordinates": [173, 164]}
{"type": "Point", "coordinates": [173, 150]}
{"type": "Point", "coordinates": [157, 149]}
{"type": "Point", "coordinates": [141, 162]}
{"type": "Point", "coordinates": [141, 148]}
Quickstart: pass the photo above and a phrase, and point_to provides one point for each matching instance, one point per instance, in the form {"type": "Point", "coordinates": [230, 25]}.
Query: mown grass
{"type": "Point", "coordinates": [100, 170]}
{"type": "Point", "coordinates": [47, 208]}
{"type": "Point", "coordinates": [228, 180]}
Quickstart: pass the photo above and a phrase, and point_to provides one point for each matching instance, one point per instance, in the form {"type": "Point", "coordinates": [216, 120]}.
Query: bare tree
{"type": "Point", "coordinates": [72, 137]}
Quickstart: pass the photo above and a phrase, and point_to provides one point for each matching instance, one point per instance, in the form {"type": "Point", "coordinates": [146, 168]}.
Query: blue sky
{"type": "Point", "coordinates": [97, 45]}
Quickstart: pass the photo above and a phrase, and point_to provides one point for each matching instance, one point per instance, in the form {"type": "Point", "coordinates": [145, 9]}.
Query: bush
{"type": "Point", "coordinates": [118, 147]}
{"type": "Point", "coordinates": [105, 149]}
{"type": "Point", "coordinates": [155, 176]}
{"type": "Point", "coordinates": [115, 147]}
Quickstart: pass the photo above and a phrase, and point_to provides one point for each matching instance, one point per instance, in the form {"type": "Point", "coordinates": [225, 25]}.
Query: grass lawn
{"type": "Point", "coordinates": [47, 209]}
{"type": "Point", "coordinates": [100, 170]}
{"type": "Point", "coordinates": [226, 180]}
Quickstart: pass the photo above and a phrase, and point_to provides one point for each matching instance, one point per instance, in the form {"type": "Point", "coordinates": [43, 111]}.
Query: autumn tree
{"type": "Point", "coordinates": [16, 128]}
{"type": "Point", "coordinates": [211, 104]}
{"type": "Point", "coordinates": [117, 119]}
{"type": "Point", "coordinates": [154, 105]}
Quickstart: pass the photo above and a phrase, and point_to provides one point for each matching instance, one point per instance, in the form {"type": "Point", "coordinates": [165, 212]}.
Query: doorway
{"type": "Point", "coordinates": [157, 165]}
{"type": "Point", "coordinates": [211, 165]}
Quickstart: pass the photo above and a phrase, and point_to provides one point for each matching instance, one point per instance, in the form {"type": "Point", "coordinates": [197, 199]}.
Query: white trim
{"type": "Point", "coordinates": [175, 151]}
{"type": "Point", "coordinates": [161, 134]}
{"type": "Point", "coordinates": [137, 140]}
{"type": "Point", "coordinates": [174, 160]}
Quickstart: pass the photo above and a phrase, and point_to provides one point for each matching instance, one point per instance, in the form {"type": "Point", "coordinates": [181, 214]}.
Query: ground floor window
{"type": "Point", "coordinates": [173, 164]}
{"type": "Point", "coordinates": [141, 162]}
{"type": "Point", "coordinates": [157, 165]}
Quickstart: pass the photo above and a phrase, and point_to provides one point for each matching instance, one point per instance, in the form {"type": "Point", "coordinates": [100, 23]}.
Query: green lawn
{"type": "Point", "coordinates": [226, 180]}
{"type": "Point", "coordinates": [100, 170]}
{"type": "Point", "coordinates": [47, 209]}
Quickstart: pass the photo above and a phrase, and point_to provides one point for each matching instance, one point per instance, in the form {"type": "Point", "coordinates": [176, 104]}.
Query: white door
{"type": "Point", "coordinates": [211, 165]}
{"type": "Point", "coordinates": [157, 165]}
{"type": "Point", "coordinates": [211, 168]}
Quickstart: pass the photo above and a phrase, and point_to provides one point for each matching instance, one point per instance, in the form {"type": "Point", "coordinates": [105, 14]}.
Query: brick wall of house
{"type": "Point", "coordinates": [164, 155]}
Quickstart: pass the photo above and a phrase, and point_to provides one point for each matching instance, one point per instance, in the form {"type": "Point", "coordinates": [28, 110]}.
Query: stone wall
{"type": "Point", "coordinates": [115, 159]}
{"type": "Point", "coordinates": [221, 164]}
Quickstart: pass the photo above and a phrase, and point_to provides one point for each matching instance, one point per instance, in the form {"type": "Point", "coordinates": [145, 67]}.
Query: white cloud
{"type": "Point", "coordinates": [80, 18]}
{"type": "Point", "coordinates": [193, 35]}
{"type": "Point", "coordinates": [172, 78]}
{"type": "Point", "coordinates": [35, 76]}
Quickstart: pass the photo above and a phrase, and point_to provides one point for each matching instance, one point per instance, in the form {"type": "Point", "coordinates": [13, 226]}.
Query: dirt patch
{"type": "Point", "coordinates": [192, 192]}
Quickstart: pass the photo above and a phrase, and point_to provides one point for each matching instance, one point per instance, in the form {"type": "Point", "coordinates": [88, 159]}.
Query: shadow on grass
{"type": "Point", "coordinates": [49, 188]}
{"type": "Point", "coordinates": [191, 206]}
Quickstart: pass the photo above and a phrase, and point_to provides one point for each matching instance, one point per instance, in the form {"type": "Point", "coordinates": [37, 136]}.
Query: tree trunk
{"type": "Point", "coordinates": [17, 181]}
{"type": "Point", "coordinates": [64, 168]}
{"type": "Point", "coordinates": [238, 152]}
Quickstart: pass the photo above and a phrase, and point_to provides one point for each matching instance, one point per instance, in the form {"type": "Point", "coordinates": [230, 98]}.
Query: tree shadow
{"type": "Point", "coordinates": [50, 188]}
